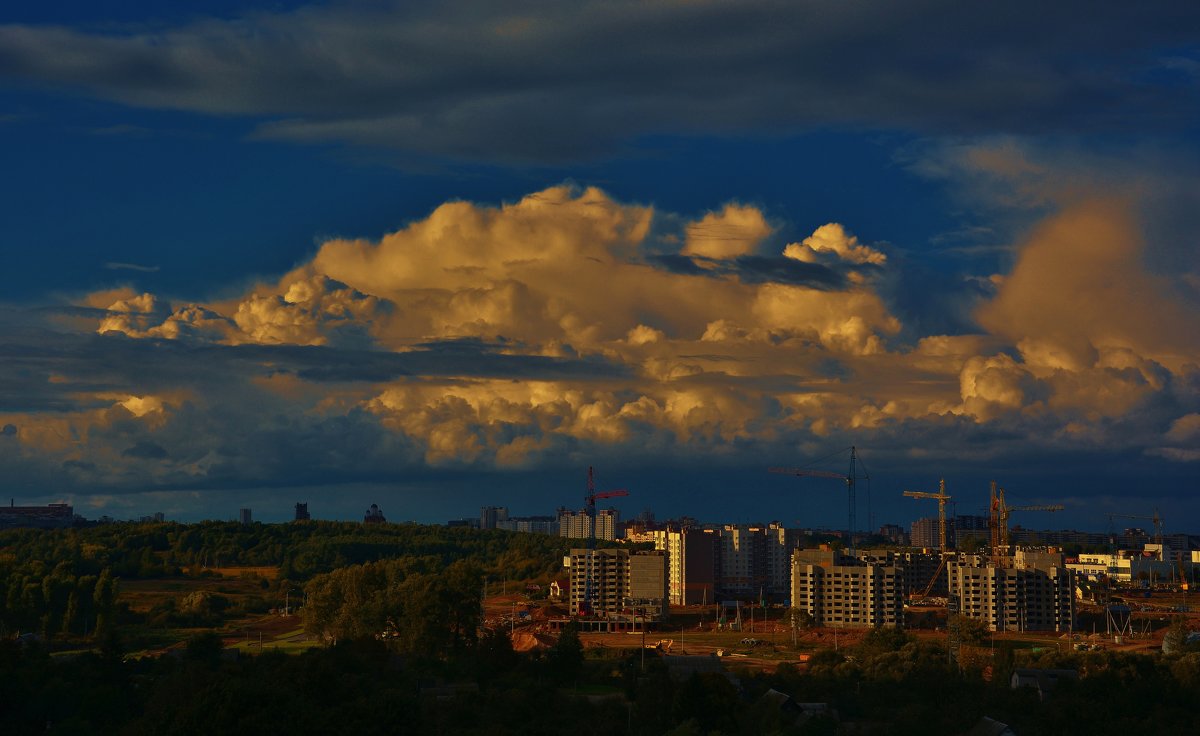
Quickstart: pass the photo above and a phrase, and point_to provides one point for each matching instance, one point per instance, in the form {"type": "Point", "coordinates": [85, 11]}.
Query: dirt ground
{"type": "Point", "coordinates": [692, 630]}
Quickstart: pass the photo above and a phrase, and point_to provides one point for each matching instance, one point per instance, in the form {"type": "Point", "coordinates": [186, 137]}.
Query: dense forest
{"type": "Point", "coordinates": [65, 582]}
{"type": "Point", "coordinates": [397, 609]}
{"type": "Point", "coordinates": [890, 684]}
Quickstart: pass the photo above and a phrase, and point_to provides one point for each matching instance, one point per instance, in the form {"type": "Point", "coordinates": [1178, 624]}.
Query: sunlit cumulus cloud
{"type": "Point", "coordinates": [557, 327]}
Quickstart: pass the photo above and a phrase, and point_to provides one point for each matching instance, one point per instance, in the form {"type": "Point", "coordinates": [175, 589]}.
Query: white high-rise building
{"type": "Point", "coordinates": [578, 524]}
{"type": "Point", "coordinates": [691, 564]}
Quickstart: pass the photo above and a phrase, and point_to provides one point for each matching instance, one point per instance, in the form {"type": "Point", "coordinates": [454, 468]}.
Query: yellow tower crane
{"type": "Point", "coordinates": [942, 498]}
{"type": "Point", "coordinates": [953, 634]}
{"type": "Point", "coordinates": [998, 520]}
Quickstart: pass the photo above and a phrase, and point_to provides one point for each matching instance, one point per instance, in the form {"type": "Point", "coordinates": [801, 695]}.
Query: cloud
{"type": "Point", "coordinates": [1078, 288]}
{"type": "Point", "coordinates": [543, 82]}
{"type": "Point", "coordinates": [568, 328]}
{"type": "Point", "coordinates": [116, 266]}
{"type": "Point", "coordinates": [735, 231]}
{"type": "Point", "coordinates": [313, 311]}
{"type": "Point", "coordinates": [833, 239]}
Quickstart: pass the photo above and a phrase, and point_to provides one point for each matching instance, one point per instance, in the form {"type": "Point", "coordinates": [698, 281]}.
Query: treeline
{"type": "Point", "coordinates": [57, 602]}
{"type": "Point", "coordinates": [421, 606]}
{"type": "Point", "coordinates": [301, 550]}
{"type": "Point", "coordinates": [887, 686]}
{"type": "Point", "coordinates": [64, 582]}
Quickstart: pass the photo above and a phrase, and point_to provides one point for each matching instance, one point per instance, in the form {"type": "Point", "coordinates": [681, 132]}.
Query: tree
{"type": "Point", "coordinates": [800, 619]}
{"type": "Point", "coordinates": [565, 658]}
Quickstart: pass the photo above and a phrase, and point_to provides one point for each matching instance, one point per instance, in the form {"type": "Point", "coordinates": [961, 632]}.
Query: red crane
{"type": "Point", "coordinates": [589, 590]}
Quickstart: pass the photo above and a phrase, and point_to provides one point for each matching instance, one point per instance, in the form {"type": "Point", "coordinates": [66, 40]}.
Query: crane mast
{"type": "Point", "coordinates": [1158, 523]}
{"type": "Point", "coordinates": [589, 585]}
{"type": "Point", "coordinates": [941, 498]}
{"type": "Point", "coordinates": [953, 634]}
{"type": "Point", "coordinates": [998, 520]}
{"type": "Point", "coordinates": [849, 479]}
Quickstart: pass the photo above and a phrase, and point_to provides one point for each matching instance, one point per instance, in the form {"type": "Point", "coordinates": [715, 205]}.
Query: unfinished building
{"type": "Point", "coordinates": [840, 591]}
{"type": "Point", "coordinates": [1031, 591]}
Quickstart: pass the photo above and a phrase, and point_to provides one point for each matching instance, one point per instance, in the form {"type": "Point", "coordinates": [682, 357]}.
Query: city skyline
{"type": "Point", "coordinates": [441, 256]}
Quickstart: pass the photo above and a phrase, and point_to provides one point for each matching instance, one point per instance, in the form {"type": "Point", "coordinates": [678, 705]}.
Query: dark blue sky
{"type": "Point", "coordinates": [440, 255]}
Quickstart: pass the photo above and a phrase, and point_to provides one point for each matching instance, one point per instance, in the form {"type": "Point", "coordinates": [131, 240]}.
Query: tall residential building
{"type": "Point", "coordinates": [917, 569]}
{"type": "Point", "coordinates": [925, 533]}
{"type": "Point", "coordinates": [692, 564]}
{"type": "Point", "coordinates": [840, 591]}
{"type": "Point", "coordinates": [753, 562]}
{"type": "Point", "coordinates": [244, 516]}
{"type": "Point", "coordinates": [624, 583]}
{"type": "Point", "coordinates": [578, 524]}
{"type": "Point", "coordinates": [490, 516]}
{"type": "Point", "coordinates": [1026, 597]}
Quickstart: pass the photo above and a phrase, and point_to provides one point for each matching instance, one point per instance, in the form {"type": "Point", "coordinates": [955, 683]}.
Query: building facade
{"type": "Point", "coordinates": [692, 564]}
{"type": "Point", "coordinates": [918, 569]}
{"type": "Point", "coordinates": [839, 591]}
{"type": "Point", "coordinates": [753, 562]}
{"type": "Point", "coordinates": [1014, 598]}
{"type": "Point", "coordinates": [578, 524]}
{"type": "Point", "coordinates": [623, 583]}
{"type": "Point", "coordinates": [491, 516]}
{"type": "Point", "coordinates": [925, 533]}
{"type": "Point", "coordinates": [530, 524]}
{"type": "Point", "coordinates": [51, 516]}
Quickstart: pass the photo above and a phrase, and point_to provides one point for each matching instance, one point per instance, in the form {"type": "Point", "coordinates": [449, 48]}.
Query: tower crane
{"type": "Point", "coordinates": [849, 479]}
{"type": "Point", "coordinates": [998, 519]}
{"type": "Point", "coordinates": [942, 498]}
{"type": "Point", "coordinates": [589, 589]}
{"type": "Point", "coordinates": [1158, 523]}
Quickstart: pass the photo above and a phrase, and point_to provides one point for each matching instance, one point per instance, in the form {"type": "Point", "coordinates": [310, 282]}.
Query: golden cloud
{"type": "Point", "coordinates": [735, 231]}
{"type": "Point", "coordinates": [1076, 333]}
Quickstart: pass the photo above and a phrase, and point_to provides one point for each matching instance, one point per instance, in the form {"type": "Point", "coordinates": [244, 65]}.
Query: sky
{"type": "Point", "coordinates": [443, 255]}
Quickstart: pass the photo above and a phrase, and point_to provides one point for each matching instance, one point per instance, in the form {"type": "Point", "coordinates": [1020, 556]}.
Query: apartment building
{"type": "Point", "coordinates": [841, 591]}
{"type": "Point", "coordinates": [578, 524]}
{"type": "Point", "coordinates": [1032, 592]}
{"type": "Point", "coordinates": [691, 563]}
{"type": "Point", "coordinates": [917, 568]}
{"type": "Point", "coordinates": [624, 583]}
{"type": "Point", "coordinates": [753, 562]}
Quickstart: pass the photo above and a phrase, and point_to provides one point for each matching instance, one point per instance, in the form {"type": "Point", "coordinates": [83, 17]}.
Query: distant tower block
{"type": "Point", "coordinates": [302, 512]}
{"type": "Point", "coordinates": [244, 516]}
{"type": "Point", "coordinates": [374, 515]}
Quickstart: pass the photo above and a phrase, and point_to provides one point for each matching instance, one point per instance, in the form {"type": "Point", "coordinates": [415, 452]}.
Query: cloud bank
{"type": "Point", "coordinates": [561, 328]}
{"type": "Point", "coordinates": [550, 82]}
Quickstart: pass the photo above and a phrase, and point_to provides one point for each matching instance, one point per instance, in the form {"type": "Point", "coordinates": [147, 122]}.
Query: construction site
{"type": "Point", "coordinates": [752, 593]}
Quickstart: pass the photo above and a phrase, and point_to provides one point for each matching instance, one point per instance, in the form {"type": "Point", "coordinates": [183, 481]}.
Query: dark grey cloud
{"type": "Point", "coordinates": [117, 266]}
{"type": "Point", "coordinates": [112, 362]}
{"type": "Point", "coordinates": [754, 269]}
{"type": "Point", "coordinates": [146, 450]}
{"type": "Point", "coordinates": [554, 81]}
